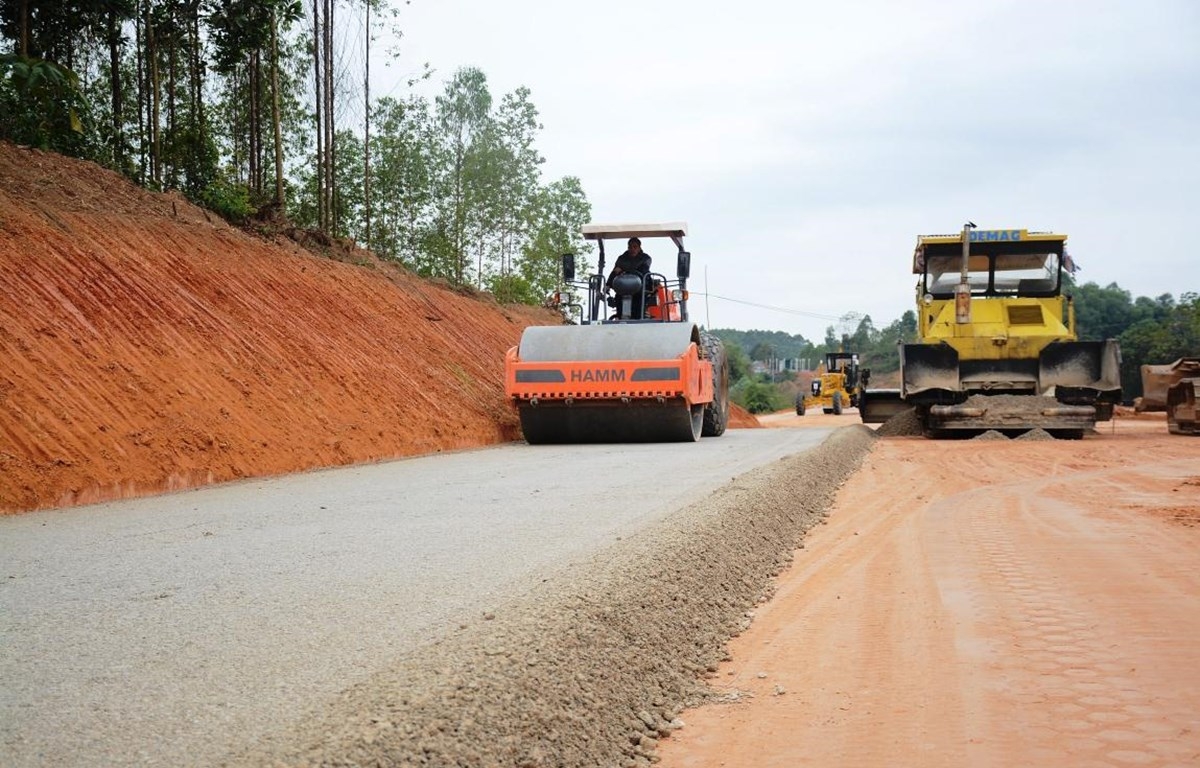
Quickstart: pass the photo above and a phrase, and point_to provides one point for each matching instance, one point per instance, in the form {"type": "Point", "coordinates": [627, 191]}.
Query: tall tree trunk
{"type": "Point", "coordinates": [139, 40]}
{"type": "Point", "coordinates": [460, 213]}
{"type": "Point", "coordinates": [114, 63]}
{"type": "Point", "coordinates": [235, 134]}
{"type": "Point", "coordinates": [259, 133]}
{"type": "Point", "coordinates": [260, 90]}
{"type": "Point", "coordinates": [276, 122]}
{"type": "Point", "coordinates": [330, 133]}
{"type": "Point", "coordinates": [318, 47]}
{"type": "Point", "coordinates": [152, 53]}
{"type": "Point", "coordinates": [253, 153]}
{"type": "Point", "coordinates": [172, 79]}
{"type": "Point", "coordinates": [201, 126]}
{"type": "Point", "coordinates": [367, 128]}
{"type": "Point", "coordinates": [25, 28]}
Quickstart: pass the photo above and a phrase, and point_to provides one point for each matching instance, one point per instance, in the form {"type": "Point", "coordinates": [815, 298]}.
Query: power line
{"type": "Point", "coordinates": [785, 310]}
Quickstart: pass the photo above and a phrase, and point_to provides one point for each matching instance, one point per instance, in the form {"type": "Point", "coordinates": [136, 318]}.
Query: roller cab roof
{"type": "Point", "coordinates": [672, 229]}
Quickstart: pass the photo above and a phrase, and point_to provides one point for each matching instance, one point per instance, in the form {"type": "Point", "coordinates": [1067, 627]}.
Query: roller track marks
{"type": "Point", "coordinates": [1029, 613]}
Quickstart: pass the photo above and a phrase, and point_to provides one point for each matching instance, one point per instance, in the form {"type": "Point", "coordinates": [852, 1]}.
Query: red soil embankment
{"type": "Point", "coordinates": [146, 346]}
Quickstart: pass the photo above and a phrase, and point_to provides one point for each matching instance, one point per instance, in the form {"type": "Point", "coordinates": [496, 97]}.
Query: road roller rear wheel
{"type": "Point", "coordinates": [716, 413]}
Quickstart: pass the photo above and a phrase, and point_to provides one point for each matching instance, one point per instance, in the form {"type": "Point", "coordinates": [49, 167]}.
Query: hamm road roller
{"type": "Point", "coordinates": [997, 347]}
{"type": "Point", "coordinates": [630, 366]}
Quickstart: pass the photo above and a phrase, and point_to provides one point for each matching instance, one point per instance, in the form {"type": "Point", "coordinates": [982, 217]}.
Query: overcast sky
{"type": "Point", "coordinates": [807, 144]}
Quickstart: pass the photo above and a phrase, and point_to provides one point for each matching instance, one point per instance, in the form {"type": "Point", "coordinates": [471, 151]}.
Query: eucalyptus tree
{"type": "Point", "coordinates": [518, 172]}
{"type": "Point", "coordinates": [557, 213]}
{"type": "Point", "coordinates": [245, 32]}
{"type": "Point", "coordinates": [402, 177]}
{"type": "Point", "coordinates": [461, 115]}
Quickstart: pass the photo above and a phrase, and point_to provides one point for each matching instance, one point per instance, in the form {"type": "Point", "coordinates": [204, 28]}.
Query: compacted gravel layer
{"type": "Point", "coordinates": [592, 668]}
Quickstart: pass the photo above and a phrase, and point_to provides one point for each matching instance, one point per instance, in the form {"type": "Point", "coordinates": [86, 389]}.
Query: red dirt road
{"type": "Point", "coordinates": [983, 604]}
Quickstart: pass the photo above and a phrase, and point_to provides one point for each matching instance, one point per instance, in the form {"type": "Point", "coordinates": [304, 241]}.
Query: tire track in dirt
{"type": "Point", "coordinates": [1087, 689]}
{"type": "Point", "coordinates": [836, 669]}
{"type": "Point", "coordinates": [979, 605]}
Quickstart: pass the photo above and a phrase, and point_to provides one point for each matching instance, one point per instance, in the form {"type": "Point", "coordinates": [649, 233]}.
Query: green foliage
{"type": "Point", "coordinates": [402, 177]}
{"type": "Point", "coordinates": [228, 198]}
{"type": "Point", "coordinates": [784, 345]}
{"type": "Point", "coordinates": [1162, 337]}
{"type": "Point", "coordinates": [739, 362]}
{"type": "Point", "coordinates": [556, 214]}
{"type": "Point", "coordinates": [41, 105]}
{"type": "Point", "coordinates": [878, 348]}
{"type": "Point", "coordinates": [182, 95]}
{"type": "Point", "coordinates": [1150, 330]}
{"type": "Point", "coordinates": [1102, 313]}
{"type": "Point", "coordinates": [242, 26]}
{"type": "Point", "coordinates": [758, 396]}
{"type": "Point", "coordinates": [513, 289]}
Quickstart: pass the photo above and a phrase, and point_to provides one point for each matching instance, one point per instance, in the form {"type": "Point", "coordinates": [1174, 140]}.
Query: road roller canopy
{"type": "Point", "coordinates": [672, 229]}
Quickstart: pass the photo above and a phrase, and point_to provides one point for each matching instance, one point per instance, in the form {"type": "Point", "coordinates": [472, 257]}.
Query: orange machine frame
{"type": "Point", "coordinates": [619, 381]}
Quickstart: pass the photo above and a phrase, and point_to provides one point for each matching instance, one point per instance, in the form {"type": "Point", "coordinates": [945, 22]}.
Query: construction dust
{"type": "Point", "coordinates": [592, 669]}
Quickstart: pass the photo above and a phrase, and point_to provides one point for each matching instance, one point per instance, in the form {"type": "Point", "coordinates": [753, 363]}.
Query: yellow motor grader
{"type": "Point", "coordinates": [997, 347]}
{"type": "Point", "coordinates": [834, 387]}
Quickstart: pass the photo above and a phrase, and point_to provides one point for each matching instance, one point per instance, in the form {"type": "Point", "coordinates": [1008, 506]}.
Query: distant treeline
{"type": "Point", "coordinates": [261, 107]}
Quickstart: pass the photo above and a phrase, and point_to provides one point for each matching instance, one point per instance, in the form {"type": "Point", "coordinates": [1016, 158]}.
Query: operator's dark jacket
{"type": "Point", "coordinates": [639, 265]}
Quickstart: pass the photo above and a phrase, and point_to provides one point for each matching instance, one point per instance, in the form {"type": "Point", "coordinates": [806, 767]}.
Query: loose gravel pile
{"type": "Point", "coordinates": [593, 668]}
{"type": "Point", "coordinates": [991, 434]}
{"type": "Point", "coordinates": [903, 424]}
{"type": "Point", "coordinates": [1037, 434]}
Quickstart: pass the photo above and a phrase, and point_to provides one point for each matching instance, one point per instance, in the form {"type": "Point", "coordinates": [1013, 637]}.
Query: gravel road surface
{"type": "Point", "coordinates": [183, 628]}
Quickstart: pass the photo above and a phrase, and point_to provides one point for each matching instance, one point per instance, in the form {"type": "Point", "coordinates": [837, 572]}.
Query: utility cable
{"type": "Point", "coordinates": [800, 312]}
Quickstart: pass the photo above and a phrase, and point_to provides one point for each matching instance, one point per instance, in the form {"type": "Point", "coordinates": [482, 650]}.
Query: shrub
{"type": "Point", "coordinates": [229, 199]}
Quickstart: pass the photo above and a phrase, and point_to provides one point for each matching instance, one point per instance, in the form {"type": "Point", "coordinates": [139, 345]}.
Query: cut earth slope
{"type": "Point", "coordinates": [147, 345]}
